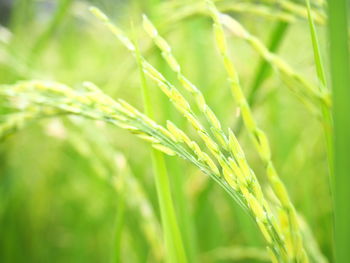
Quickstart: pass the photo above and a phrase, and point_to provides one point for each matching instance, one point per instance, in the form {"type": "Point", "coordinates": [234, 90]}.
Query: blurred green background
{"type": "Point", "coordinates": [68, 186]}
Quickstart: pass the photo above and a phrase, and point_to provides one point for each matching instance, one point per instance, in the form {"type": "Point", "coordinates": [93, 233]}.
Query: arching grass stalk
{"type": "Point", "coordinates": [263, 69]}
{"type": "Point", "coordinates": [173, 241]}
{"type": "Point", "coordinates": [300, 10]}
{"type": "Point", "coordinates": [120, 219]}
{"type": "Point", "coordinates": [237, 175]}
{"type": "Point", "coordinates": [283, 11]}
{"type": "Point", "coordinates": [291, 230]}
{"type": "Point", "coordinates": [185, 10]}
{"type": "Point", "coordinates": [306, 92]}
{"type": "Point", "coordinates": [173, 94]}
{"type": "Point", "coordinates": [92, 103]}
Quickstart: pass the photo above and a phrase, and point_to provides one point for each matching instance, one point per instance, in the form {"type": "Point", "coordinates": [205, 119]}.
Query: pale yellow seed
{"type": "Point", "coordinates": [91, 87]}
{"type": "Point", "coordinates": [233, 25]}
{"type": "Point", "coordinates": [188, 85]}
{"type": "Point", "coordinates": [220, 39]}
{"type": "Point", "coordinates": [200, 100]}
{"type": "Point", "coordinates": [281, 191]}
{"type": "Point", "coordinates": [244, 190]}
{"type": "Point", "coordinates": [231, 72]}
{"type": "Point", "coordinates": [130, 128]}
{"type": "Point", "coordinates": [247, 117]}
{"type": "Point", "coordinates": [167, 133]}
{"type": "Point", "coordinates": [209, 142]}
{"type": "Point", "coordinates": [152, 72]}
{"type": "Point", "coordinates": [172, 62]}
{"type": "Point", "coordinates": [164, 149]}
{"type": "Point", "coordinates": [212, 9]}
{"type": "Point", "coordinates": [175, 131]}
{"type": "Point", "coordinates": [234, 145]}
{"type": "Point", "coordinates": [283, 219]}
{"type": "Point", "coordinates": [264, 147]}
{"type": "Point", "coordinates": [272, 255]}
{"type": "Point", "coordinates": [179, 100]}
{"type": "Point", "coordinates": [148, 138]}
{"type": "Point", "coordinates": [210, 163]}
{"type": "Point", "coordinates": [264, 231]}
{"type": "Point", "coordinates": [128, 107]}
{"type": "Point", "coordinates": [220, 137]}
{"type": "Point", "coordinates": [194, 122]}
{"type": "Point", "coordinates": [98, 13]}
{"type": "Point", "coordinates": [212, 118]}
{"type": "Point", "coordinates": [149, 27]}
{"type": "Point", "coordinates": [236, 170]}
{"type": "Point", "coordinates": [289, 245]}
{"type": "Point", "coordinates": [162, 44]}
{"type": "Point", "coordinates": [165, 88]}
{"type": "Point", "coordinates": [229, 177]}
{"type": "Point", "coordinates": [256, 207]}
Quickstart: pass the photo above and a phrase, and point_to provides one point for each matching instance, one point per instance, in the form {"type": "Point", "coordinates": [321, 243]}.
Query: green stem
{"type": "Point", "coordinates": [62, 9]}
{"type": "Point", "coordinates": [327, 121]}
{"type": "Point", "coordinates": [264, 68]}
{"type": "Point", "coordinates": [184, 214]}
{"type": "Point", "coordinates": [172, 236]}
{"type": "Point", "coordinates": [119, 225]}
{"type": "Point", "coordinates": [340, 73]}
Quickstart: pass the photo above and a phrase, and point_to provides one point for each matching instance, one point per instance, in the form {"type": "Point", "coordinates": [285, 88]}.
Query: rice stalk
{"type": "Point", "coordinates": [263, 68]}
{"type": "Point", "coordinates": [301, 11]}
{"type": "Point", "coordinates": [13, 122]}
{"type": "Point", "coordinates": [293, 238]}
{"type": "Point", "coordinates": [184, 10]}
{"type": "Point", "coordinates": [245, 182]}
{"type": "Point", "coordinates": [305, 91]}
{"type": "Point", "coordinates": [173, 240]}
{"type": "Point", "coordinates": [283, 11]}
{"type": "Point", "coordinates": [230, 144]}
{"type": "Point", "coordinates": [92, 103]}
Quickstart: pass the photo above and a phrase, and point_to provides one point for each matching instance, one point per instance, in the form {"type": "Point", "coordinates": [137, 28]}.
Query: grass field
{"type": "Point", "coordinates": [174, 131]}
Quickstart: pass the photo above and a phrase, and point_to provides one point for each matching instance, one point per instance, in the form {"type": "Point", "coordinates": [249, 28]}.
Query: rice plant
{"type": "Point", "coordinates": [248, 116]}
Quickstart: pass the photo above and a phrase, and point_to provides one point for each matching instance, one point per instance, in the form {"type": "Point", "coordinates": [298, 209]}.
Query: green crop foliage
{"type": "Point", "coordinates": [174, 131]}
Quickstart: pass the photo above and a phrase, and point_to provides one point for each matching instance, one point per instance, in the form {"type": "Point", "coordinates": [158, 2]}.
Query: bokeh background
{"type": "Point", "coordinates": [73, 190]}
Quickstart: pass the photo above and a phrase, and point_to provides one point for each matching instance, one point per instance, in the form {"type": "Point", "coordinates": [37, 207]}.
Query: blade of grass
{"type": "Point", "coordinates": [119, 222]}
{"type": "Point", "coordinates": [60, 13]}
{"type": "Point", "coordinates": [326, 115]}
{"type": "Point", "coordinates": [173, 240]}
{"type": "Point", "coordinates": [259, 138]}
{"type": "Point", "coordinates": [21, 13]}
{"type": "Point", "coordinates": [327, 121]}
{"type": "Point", "coordinates": [340, 74]}
{"type": "Point", "coordinates": [264, 69]}
{"type": "Point", "coordinates": [178, 179]}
